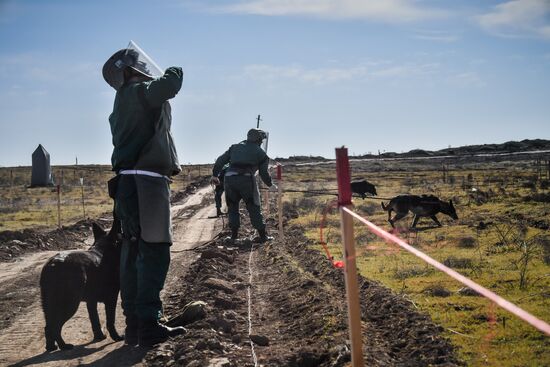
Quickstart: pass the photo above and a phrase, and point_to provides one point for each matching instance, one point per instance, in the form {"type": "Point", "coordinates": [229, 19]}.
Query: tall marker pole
{"type": "Point", "coordinates": [280, 199]}
{"type": "Point", "coordinates": [350, 269]}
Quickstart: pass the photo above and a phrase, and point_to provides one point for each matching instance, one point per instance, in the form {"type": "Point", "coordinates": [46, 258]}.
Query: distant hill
{"type": "Point", "coordinates": [526, 145]}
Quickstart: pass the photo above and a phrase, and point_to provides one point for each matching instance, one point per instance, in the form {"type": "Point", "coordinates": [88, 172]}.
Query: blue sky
{"type": "Point", "coordinates": [389, 75]}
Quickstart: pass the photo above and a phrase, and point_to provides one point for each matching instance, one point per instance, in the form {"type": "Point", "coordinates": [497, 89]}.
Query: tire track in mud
{"type": "Point", "coordinates": [22, 343]}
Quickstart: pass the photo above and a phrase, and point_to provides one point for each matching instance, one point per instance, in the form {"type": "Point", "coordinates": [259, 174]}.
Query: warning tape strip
{"type": "Point", "coordinates": [509, 306]}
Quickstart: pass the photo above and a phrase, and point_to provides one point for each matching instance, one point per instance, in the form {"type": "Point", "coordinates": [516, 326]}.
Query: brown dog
{"type": "Point", "coordinates": [420, 206]}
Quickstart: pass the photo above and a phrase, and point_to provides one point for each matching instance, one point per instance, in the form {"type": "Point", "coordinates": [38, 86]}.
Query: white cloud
{"type": "Point", "coordinates": [518, 18]}
{"type": "Point", "coordinates": [331, 75]}
{"type": "Point", "coordinates": [320, 76]}
{"type": "Point", "coordinates": [437, 36]}
{"type": "Point", "coordinates": [467, 79]}
{"type": "Point", "coordinates": [392, 11]}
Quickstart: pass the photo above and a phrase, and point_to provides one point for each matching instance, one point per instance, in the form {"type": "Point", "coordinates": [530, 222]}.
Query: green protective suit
{"type": "Point", "coordinates": [244, 158]}
{"type": "Point", "coordinates": [140, 126]}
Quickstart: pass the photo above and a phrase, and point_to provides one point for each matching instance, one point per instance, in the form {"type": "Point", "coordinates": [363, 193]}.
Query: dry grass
{"type": "Point", "coordinates": [501, 223]}
{"type": "Point", "coordinates": [24, 207]}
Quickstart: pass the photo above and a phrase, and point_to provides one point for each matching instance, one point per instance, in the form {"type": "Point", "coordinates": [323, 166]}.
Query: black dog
{"type": "Point", "coordinates": [363, 187]}
{"type": "Point", "coordinates": [89, 275]}
{"type": "Point", "coordinates": [420, 206]}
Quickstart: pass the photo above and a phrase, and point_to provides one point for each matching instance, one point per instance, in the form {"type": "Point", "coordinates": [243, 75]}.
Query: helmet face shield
{"type": "Point", "coordinates": [138, 60]}
{"type": "Point", "coordinates": [134, 57]}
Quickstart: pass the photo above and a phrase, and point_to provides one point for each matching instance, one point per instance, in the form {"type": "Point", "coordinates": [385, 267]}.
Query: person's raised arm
{"type": "Point", "coordinates": [164, 88]}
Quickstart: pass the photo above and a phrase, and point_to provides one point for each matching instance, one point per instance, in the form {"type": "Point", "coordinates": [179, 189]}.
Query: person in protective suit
{"type": "Point", "coordinates": [244, 159]}
{"type": "Point", "coordinates": [144, 158]}
{"type": "Point", "coordinates": [218, 191]}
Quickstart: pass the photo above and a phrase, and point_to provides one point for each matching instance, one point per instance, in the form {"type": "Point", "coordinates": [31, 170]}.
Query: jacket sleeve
{"type": "Point", "coordinates": [164, 88]}
{"type": "Point", "coordinates": [220, 162]}
{"type": "Point", "coordinates": [264, 173]}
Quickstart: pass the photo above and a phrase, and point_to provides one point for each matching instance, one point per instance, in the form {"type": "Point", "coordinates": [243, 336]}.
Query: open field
{"type": "Point", "coordinates": [501, 241]}
{"type": "Point", "coordinates": [23, 207]}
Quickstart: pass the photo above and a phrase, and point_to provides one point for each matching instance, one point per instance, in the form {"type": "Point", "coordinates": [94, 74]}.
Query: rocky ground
{"type": "Point", "coordinates": [297, 313]}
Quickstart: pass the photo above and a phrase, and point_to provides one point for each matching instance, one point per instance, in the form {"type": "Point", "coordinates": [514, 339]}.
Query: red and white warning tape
{"type": "Point", "coordinates": [509, 306]}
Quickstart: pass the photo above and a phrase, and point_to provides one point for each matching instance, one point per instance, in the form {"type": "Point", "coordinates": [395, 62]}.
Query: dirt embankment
{"type": "Point", "coordinates": [298, 314]}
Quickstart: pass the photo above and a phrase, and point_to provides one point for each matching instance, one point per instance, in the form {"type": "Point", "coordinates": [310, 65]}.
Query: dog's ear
{"type": "Point", "coordinates": [115, 229]}
{"type": "Point", "coordinates": [98, 231]}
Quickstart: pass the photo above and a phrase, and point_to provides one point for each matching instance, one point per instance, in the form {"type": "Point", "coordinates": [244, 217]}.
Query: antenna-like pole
{"type": "Point", "coordinates": [258, 122]}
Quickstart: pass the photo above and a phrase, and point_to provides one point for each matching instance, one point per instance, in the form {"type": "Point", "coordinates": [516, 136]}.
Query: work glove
{"type": "Point", "coordinates": [273, 187]}
{"type": "Point", "coordinates": [214, 181]}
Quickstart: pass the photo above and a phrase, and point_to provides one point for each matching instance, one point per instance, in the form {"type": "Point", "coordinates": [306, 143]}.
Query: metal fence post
{"type": "Point", "coordinates": [350, 269]}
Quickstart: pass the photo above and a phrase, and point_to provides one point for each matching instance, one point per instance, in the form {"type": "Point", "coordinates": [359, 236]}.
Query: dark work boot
{"type": "Point", "coordinates": [131, 332]}
{"type": "Point", "coordinates": [152, 332]}
{"type": "Point", "coordinates": [234, 233]}
{"type": "Point", "coordinates": [262, 237]}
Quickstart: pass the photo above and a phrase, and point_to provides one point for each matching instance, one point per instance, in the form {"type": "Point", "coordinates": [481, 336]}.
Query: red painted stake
{"type": "Point", "coordinates": [350, 269]}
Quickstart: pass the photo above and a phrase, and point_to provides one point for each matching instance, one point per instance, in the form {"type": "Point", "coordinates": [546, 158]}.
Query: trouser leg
{"type": "Point", "coordinates": [218, 196]}
{"type": "Point", "coordinates": [128, 277]}
{"type": "Point", "coordinates": [127, 210]}
{"type": "Point", "coordinates": [256, 217]}
{"type": "Point", "coordinates": [152, 265]}
{"type": "Point", "coordinates": [232, 199]}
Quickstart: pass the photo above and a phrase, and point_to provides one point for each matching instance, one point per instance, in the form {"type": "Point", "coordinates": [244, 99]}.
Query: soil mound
{"type": "Point", "coordinates": [298, 315]}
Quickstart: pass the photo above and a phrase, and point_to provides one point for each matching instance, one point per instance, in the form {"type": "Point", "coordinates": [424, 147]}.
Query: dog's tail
{"type": "Point", "coordinates": [384, 206]}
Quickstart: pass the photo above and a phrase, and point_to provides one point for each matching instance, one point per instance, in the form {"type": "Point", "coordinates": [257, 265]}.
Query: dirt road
{"type": "Point", "coordinates": [21, 328]}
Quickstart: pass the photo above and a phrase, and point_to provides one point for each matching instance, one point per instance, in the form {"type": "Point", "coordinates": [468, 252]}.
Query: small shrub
{"type": "Point", "coordinates": [307, 204]}
{"type": "Point", "coordinates": [458, 262]}
{"type": "Point", "coordinates": [437, 290]}
{"type": "Point", "coordinates": [412, 272]}
{"type": "Point", "coordinates": [531, 183]}
{"type": "Point", "coordinates": [467, 242]}
{"type": "Point", "coordinates": [466, 291]}
{"type": "Point", "coordinates": [539, 197]}
{"type": "Point", "coordinates": [545, 245]}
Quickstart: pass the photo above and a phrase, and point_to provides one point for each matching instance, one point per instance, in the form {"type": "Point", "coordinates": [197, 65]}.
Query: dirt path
{"type": "Point", "coordinates": [287, 299]}
{"type": "Point", "coordinates": [22, 342]}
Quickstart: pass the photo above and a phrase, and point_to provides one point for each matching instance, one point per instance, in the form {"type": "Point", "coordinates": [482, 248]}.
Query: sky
{"type": "Point", "coordinates": [390, 75]}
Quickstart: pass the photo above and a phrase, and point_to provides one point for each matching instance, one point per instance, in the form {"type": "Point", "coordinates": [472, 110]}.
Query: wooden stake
{"type": "Point", "coordinates": [59, 206]}
{"type": "Point", "coordinates": [83, 205]}
{"type": "Point", "coordinates": [280, 200]}
{"type": "Point", "coordinates": [350, 268]}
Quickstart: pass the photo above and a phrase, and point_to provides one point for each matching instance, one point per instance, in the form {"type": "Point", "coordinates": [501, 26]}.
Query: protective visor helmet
{"type": "Point", "coordinates": [256, 136]}
{"type": "Point", "coordinates": [131, 57]}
